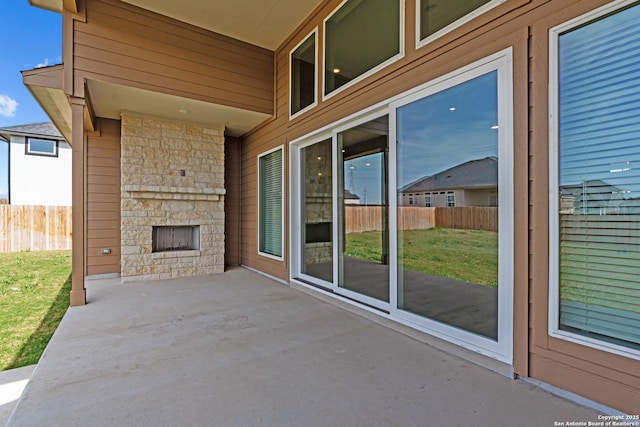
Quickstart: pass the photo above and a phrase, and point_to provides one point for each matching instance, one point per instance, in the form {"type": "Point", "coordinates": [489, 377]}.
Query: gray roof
{"type": "Point", "coordinates": [480, 173]}
{"type": "Point", "coordinates": [42, 129]}
{"type": "Point", "coordinates": [349, 195]}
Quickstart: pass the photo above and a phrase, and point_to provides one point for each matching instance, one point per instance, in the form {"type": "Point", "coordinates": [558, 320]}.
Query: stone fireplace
{"type": "Point", "coordinates": [172, 190]}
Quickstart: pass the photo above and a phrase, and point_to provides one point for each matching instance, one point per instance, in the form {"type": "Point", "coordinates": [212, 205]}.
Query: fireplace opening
{"type": "Point", "coordinates": [175, 238]}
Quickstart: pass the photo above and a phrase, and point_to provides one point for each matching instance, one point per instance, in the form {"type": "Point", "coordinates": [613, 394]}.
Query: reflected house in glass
{"type": "Point", "coordinates": [351, 198]}
{"type": "Point", "coordinates": [473, 183]}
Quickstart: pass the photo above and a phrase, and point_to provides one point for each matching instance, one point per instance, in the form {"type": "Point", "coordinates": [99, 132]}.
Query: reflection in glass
{"type": "Point", "coordinates": [437, 14]}
{"type": "Point", "coordinates": [599, 174]}
{"type": "Point", "coordinates": [358, 37]}
{"type": "Point", "coordinates": [317, 211]}
{"type": "Point", "coordinates": [363, 260]}
{"type": "Point", "coordinates": [303, 75]}
{"type": "Point", "coordinates": [448, 238]}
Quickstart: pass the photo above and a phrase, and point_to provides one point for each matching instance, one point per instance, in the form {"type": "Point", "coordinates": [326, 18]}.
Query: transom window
{"type": "Point", "coordinates": [360, 37]}
{"type": "Point", "coordinates": [303, 75]}
{"type": "Point", "coordinates": [42, 147]}
{"type": "Point", "coordinates": [437, 17]}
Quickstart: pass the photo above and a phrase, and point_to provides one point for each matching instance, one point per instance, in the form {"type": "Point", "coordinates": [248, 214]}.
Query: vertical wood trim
{"type": "Point", "coordinates": [521, 204]}
{"type": "Point", "coordinates": [78, 165]}
{"type": "Point", "coordinates": [67, 52]}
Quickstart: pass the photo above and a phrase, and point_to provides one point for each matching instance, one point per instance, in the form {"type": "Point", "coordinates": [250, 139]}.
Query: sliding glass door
{"type": "Point", "coordinates": [363, 256]}
{"type": "Point", "coordinates": [408, 209]}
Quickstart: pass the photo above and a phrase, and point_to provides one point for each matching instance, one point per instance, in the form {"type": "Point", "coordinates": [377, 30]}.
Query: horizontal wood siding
{"type": "Point", "coordinates": [232, 201]}
{"type": "Point", "coordinates": [120, 43]}
{"type": "Point", "coordinates": [103, 198]}
{"type": "Point", "coordinates": [522, 25]}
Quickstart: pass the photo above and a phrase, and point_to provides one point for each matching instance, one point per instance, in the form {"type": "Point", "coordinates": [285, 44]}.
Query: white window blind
{"type": "Point", "coordinates": [270, 240]}
{"type": "Point", "coordinates": [599, 177]}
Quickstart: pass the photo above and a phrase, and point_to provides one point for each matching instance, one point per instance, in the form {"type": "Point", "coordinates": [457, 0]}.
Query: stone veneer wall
{"type": "Point", "coordinates": [318, 190]}
{"type": "Point", "coordinates": [155, 154]}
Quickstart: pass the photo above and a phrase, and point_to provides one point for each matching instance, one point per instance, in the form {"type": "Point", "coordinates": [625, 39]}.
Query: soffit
{"type": "Point", "coordinates": [265, 23]}
{"type": "Point", "coordinates": [111, 100]}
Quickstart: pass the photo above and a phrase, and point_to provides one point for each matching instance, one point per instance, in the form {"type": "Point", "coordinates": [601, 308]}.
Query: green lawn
{"type": "Point", "coordinates": [34, 295]}
{"type": "Point", "coordinates": [467, 255]}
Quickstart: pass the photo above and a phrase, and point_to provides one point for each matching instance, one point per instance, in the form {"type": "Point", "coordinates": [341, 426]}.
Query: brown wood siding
{"type": "Point", "coordinates": [232, 201]}
{"type": "Point", "coordinates": [523, 25]}
{"type": "Point", "coordinates": [123, 44]}
{"type": "Point", "coordinates": [103, 198]}
{"type": "Point", "coordinates": [604, 377]}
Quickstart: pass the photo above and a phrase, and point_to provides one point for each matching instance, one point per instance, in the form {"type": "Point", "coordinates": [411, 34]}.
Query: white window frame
{"type": "Point", "coordinates": [268, 255]}
{"type": "Point", "coordinates": [455, 24]}
{"type": "Point", "coordinates": [501, 350]}
{"type": "Point", "coordinates": [313, 33]}
{"type": "Point", "coordinates": [554, 172]}
{"type": "Point", "coordinates": [31, 152]}
{"type": "Point", "coordinates": [372, 71]}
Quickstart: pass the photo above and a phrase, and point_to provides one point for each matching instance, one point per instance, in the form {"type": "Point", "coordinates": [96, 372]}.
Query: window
{"type": "Point", "coordinates": [437, 17]}
{"type": "Point", "coordinates": [410, 200]}
{"type": "Point", "coordinates": [360, 36]}
{"type": "Point", "coordinates": [303, 75]}
{"type": "Point", "coordinates": [427, 153]}
{"type": "Point", "coordinates": [427, 201]}
{"type": "Point", "coordinates": [595, 180]}
{"type": "Point", "coordinates": [42, 147]}
{"type": "Point", "coordinates": [451, 200]}
{"type": "Point", "coordinates": [270, 206]}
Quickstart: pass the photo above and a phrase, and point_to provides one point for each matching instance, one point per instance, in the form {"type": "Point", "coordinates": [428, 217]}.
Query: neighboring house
{"type": "Point", "coordinates": [473, 183]}
{"type": "Point", "coordinates": [198, 120]}
{"type": "Point", "coordinates": [39, 165]}
{"type": "Point", "coordinates": [351, 198]}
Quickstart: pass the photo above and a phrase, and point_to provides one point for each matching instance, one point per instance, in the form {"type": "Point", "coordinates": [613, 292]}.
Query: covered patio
{"type": "Point", "coordinates": [240, 349]}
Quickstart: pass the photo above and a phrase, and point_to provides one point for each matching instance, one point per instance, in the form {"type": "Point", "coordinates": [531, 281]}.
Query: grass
{"type": "Point", "coordinates": [466, 255]}
{"type": "Point", "coordinates": [34, 295]}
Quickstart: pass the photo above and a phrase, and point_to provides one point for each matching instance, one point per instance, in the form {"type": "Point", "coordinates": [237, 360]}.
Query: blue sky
{"type": "Point", "coordinates": [31, 38]}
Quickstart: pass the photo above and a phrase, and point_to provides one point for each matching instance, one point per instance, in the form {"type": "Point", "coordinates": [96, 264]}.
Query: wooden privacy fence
{"type": "Point", "coordinates": [369, 218]}
{"type": "Point", "coordinates": [34, 228]}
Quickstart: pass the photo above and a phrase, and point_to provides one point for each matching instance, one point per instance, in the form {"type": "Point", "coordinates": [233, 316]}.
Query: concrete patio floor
{"type": "Point", "coordinates": [239, 349]}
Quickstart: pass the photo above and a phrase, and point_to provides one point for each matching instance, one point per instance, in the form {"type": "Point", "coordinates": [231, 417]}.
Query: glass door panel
{"type": "Point", "coordinates": [363, 256]}
{"type": "Point", "coordinates": [447, 189]}
{"type": "Point", "coordinates": [317, 211]}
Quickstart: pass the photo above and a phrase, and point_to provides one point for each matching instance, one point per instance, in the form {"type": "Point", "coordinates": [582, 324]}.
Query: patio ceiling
{"type": "Point", "coordinates": [111, 100]}
{"type": "Point", "coordinates": [265, 23]}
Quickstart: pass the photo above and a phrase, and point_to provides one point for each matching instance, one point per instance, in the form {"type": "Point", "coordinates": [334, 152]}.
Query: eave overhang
{"type": "Point", "coordinates": [56, 5]}
{"type": "Point", "coordinates": [46, 86]}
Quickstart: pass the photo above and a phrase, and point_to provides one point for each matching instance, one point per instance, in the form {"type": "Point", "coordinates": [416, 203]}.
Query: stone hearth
{"type": "Point", "coordinates": [172, 175]}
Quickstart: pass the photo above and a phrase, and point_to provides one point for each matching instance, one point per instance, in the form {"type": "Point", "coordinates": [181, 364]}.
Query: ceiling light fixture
{"type": "Point", "coordinates": [184, 111]}
{"type": "Point", "coordinates": [336, 70]}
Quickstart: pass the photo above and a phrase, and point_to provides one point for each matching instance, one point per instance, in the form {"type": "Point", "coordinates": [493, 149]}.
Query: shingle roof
{"type": "Point", "coordinates": [474, 173]}
{"type": "Point", "coordinates": [349, 195]}
{"type": "Point", "coordinates": [33, 129]}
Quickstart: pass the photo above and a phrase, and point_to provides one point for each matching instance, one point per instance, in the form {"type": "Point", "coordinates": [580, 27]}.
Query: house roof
{"type": "Point", "coordinates": [349, 195]}
{"type": "Point", "coordinates": [480, 173]}
{"type": "Point", "coordinates": [38, 130]}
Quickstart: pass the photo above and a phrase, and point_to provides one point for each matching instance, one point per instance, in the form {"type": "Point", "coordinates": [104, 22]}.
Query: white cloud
{"type": "Point", "coordinates": [8, 106]}
{"type": "Point", "coordinates": [43, 64]}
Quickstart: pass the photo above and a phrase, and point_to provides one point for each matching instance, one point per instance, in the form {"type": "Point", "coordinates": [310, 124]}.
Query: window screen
{"type": "Point", "coordinates": [599, 178]}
